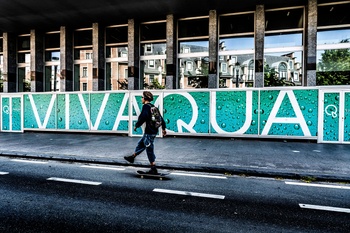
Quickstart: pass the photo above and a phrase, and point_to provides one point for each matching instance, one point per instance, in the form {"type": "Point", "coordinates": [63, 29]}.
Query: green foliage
{"type": "Point", "coordinates": [154, 85]}
{"type": "Point", "coordinates": [271, 78]}
{"type": "Point", "coordinates": [334, 67]}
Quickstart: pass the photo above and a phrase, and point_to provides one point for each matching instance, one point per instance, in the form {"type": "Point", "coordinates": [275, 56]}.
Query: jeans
{"type": "Point", "coordinates": [146, 143]}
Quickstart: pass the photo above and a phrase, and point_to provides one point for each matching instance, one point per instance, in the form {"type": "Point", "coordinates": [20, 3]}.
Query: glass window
{"type": "Point", "coordinates": [233, 24]}
{"type": "Point", "coordinates": [52, 40]}
{"type": "Point", "coordinates": [52, 80]}
{"type": "Point", "coordinates": [153, 54]}
{"type": "Point", "coordinates": [333, 67]}
{"type": "Point", "coordinates": [117, 34]}
{"type": "Point", "coordinates": [23, 43]}
{"type": "Point", "coordinates": [1, 45]}
{"type": "Point", "coordinates": [83, 38]}
{"type": "Point", "coordinates": [284, 19]}
{"type": "Point", "coordinates": [193, 47]}
{"type": "Point", "coordinates": [282, 40]}
{"type": "Point", "coordinates": [193, 28]}
{"type": "Point", "coordinates": [116, 57]}
{"type": "Point", "coordinates": [153, 31]}
{"type": "Point", "coordinates": [333, 36]}
{"type": "Point", "coordinates": [333, 44]}
{"type": "Point", "coordinates": [277, 72]}
{"type": "Point", "coordinates": [236, 50]}
{"type": "Point", "coordinates": [333, 14]}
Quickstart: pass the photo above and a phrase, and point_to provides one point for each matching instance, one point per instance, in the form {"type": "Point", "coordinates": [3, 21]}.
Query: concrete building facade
{"type": "Point", "coordinates": [133, 45]}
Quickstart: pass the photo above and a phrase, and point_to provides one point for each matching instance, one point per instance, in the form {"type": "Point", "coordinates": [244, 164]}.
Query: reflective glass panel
{"type": "Point", "coordinates": [283, 40]}
{"type": "Point", "coordinates": [236, 43]}
{"type": "Point", "coordinates": [153, 73]}
{"type": "Point", "coordinates": [193, 72]}
{"type": "Point", "coordinates": [194, 46]}
{"type": "Point", "coordinates": [23, 43]}
{"type": "Point", "coordinates": [52, 78]}
{"type": "Point", "coordinates": [153, 49]}
{"type": "Point", "coordinates": [236, 71]}
{"type": "Point", "coordinates": [117, 35]}
{"type": "Point", "coordinates": [83, 38]}
{"type": "Point", "coordinates": [333, 67]}
{"type": "Point", "coordinates": [193, 28]}
{"type": "Point", "coordinates": [337, 14]}
{"type": "Point", "coordinates": [236, 24]}
{"type": "Point", "coordinates": [153, 31]}
{"type": "Point", "coordinates": [83, 77]}
{"type": "Point", "coordinates": [52, 55]}
{"type": "Point", "coordinates": [117, 52]}
{"type": "Point", "coordinates": [52, 40]}
{"type": "Point", "coordinates": [1, 45]}
{"type": "Point", "coordinates": [24, 80]}
{"type": "Point", "coordinates": [116, 76]}
{"type": "Point", "coordinates": [283, 69]}
{"type": "Point", "coordinates": [23, 58]}
{"type": "Point", "coordinates": [1, 80]}
{"type": "Point", "coordinates": [83, 54]}
{"type": "Point", "coordinates": [333, 36]}
{"type": "Point", "coordinates": [284, 19]}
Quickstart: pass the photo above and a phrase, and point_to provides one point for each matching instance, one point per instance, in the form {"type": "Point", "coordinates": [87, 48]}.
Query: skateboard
{"type": "Point", "coordinates": [160, 176]}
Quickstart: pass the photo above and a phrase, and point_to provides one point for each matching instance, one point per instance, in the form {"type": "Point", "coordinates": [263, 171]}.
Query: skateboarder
{"type": "Point", "coordinates": [147, 140]}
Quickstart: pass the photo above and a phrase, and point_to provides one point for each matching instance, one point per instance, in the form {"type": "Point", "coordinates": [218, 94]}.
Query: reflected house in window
{"type": "Point", "coordinates": [236, 70]}
{"type": "Point", "coordinates": [153, 68]}
{"type": "Point", "coordinates": [194, 70]}
{"type": "Point", "coordinates": [286, 67]}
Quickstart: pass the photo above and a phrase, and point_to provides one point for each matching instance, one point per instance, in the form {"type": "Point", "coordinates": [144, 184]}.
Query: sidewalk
{"type": "Point", "coordinates": [290, 159]}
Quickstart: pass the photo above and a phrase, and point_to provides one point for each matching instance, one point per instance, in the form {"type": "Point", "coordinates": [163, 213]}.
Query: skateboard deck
{"type": "Point", "coordinates": [160, 176]}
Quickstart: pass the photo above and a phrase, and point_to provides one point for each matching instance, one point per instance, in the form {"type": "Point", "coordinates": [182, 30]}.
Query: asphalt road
{"type": "Point", "coordinates": [46, 196]}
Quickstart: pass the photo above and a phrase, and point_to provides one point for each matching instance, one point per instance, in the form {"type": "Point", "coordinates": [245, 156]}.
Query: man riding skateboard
{"type": "Point", "coordinates": [147, 140]}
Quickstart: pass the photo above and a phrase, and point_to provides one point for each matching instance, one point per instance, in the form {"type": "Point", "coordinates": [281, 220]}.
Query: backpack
{"type": "Point", "coordinates": [157, 119]}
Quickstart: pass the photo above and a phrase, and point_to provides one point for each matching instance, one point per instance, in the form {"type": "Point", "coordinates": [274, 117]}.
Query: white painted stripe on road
{"type": "Point", "coordinates": [102, 167]}
{"type": "Point", "coordinates": [4, 173]}
{"type": "Point", "coordinates": [28, 161]}
{"type": "Point", "coordinates": [74, 181]}
{"type": "Point", "coordinates": [319, 185]}
{"type": "Point", "coordinates": [198, 175]}
{"type": "Point", "coordinates": [189, 193]}
{"type": "Point", "coordinates": [327, 208]}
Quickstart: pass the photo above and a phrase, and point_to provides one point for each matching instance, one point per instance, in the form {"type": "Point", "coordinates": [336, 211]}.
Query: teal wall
{"type": "Point", "coordinates": [282, 113]}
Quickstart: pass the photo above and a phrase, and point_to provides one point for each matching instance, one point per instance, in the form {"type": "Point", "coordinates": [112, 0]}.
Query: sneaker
{"type": "Point", "coordinates": [130, 158]}
{"type": "Point", "coordinates": [153, 171]}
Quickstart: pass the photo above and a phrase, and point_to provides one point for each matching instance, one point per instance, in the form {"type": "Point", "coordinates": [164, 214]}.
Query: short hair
{"type": "Point", "coordinates": [148, 95]}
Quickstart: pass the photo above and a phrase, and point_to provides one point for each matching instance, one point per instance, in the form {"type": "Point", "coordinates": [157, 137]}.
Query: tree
{"type": "Point", "coordinates": [334, 67]}
{"type": "Point", "coordinates": [271, 78]}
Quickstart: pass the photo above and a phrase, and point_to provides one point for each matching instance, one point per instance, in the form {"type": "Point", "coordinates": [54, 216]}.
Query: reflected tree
{"type": "Point", "coordinates": [334, 67]}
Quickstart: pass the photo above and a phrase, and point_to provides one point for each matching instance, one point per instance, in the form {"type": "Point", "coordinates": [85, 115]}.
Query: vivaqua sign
{"type": "Point", "coordinates": [281, 113]}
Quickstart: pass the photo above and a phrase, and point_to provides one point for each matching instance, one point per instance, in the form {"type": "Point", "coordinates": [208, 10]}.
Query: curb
{"type": "Point", "coordinates": [240, 171]}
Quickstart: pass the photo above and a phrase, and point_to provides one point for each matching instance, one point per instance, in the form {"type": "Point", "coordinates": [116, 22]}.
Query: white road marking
{"type": "Point", "coordinates": [296, 151]}
{"type": "Point", "coordinates": [318, 151]}
{"type": "Point", "coordinates": [327, 208]}
{"type": "Point", "coordinates": [4, 173]}
{"type": "Point", "coordinates": [198, 175]}
{"type": "Point", "coordinates": [102, 167]}
{"type": "Point", "coordinates": [28, 161]}
{"type": "Point", "coordinates": [319, 185]}
{"type": "Point", "coordinates": [74, 181]}
{"type": "Point", "coordinates": [189, 193]}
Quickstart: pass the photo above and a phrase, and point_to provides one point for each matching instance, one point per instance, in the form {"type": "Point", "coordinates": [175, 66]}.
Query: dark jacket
{"type": "Point", "coordinates": [146, 116]}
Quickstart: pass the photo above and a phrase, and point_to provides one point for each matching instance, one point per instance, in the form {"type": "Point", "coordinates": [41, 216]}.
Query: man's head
{"type": "Point", "coordinates": [147, 96]}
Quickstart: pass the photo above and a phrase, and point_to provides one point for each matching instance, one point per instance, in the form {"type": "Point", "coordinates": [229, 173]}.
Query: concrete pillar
{"type": "Point", "coordinates": [171, 81]}
{"type": "Point", "coordinates": [259, 45]}
{"type": "Point", "coordinates": [134, 82]}
{"type": "Point", "coordinates": [213, 81]}
{"type": "Point", "coordinates": [9, 66]}
{"type": "Point", "coordinates": [311, 44]}
{"type": "Point", "coordinates": [36, 61]}
{"type": "Point", "coordinates": [98, 62]}
{"type": "Point", "coordinates": [66, 59]}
